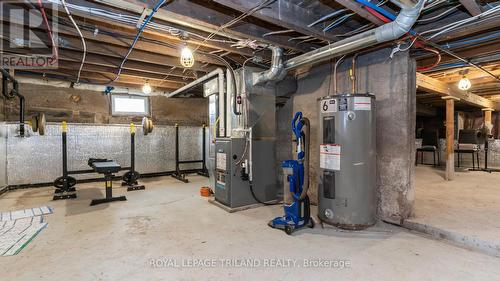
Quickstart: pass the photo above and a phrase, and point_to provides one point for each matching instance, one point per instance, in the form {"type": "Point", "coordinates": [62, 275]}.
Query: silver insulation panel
{"type": "Point", "coordinates": [38, 159]}
{"type": "Point", "coordinates": [3, 155]}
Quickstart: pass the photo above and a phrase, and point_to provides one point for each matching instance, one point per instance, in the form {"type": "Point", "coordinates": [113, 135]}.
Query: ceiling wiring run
{"type": "Point", "coordinates": [84, 44]}
{"type": "Point", "coordinates": [139, 33]}
{"type": "Point", "coordinates": [49, 30]}
{"type": "Point", "coordinates": [435, 48]}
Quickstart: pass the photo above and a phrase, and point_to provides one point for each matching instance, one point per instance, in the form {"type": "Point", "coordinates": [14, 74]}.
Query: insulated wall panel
{"type": "Point", "coordinates": [3, 156]}
{"type": "Point", "coordinates": [38, 159]}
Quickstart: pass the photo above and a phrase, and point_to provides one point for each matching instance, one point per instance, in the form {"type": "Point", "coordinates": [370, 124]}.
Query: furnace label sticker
{"type": "Point", "coordinates": [329, 157]}
{"type": "Point", "coordinates": [328, 106]}
{"type": "Point", "coordinates": [362, 103]}
{"type": "Point", "coordinates": [221, 161]}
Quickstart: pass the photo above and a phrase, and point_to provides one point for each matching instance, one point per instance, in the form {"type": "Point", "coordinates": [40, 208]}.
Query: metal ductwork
{"type": "Point", "coordinates": [276, 72]}
{"type": "Point", "coordinates": [401, 25]}
{"type": "Point", "coordinates": [217, 72]}
{"type": "Point", "coordinates": [387, 32]}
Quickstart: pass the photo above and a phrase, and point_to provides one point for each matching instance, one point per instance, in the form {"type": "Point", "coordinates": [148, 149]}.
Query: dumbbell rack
{"type": "Point", "coordinates": [180, 174]}
{"type": "Point", "coordinates": [65, 185]}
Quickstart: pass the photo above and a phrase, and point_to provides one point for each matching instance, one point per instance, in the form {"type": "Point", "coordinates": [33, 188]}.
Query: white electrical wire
{"type": "Point", "coordinates": [452, 26]}
{"type": "Point", "coordinates": [430, 5]}
{"type": "Point", "coordinates": [132, 20]}
{"type": "Point", "coordinates": [411, 45]}
{"type": "Point", "coordinates": [81, 36]}
{"type": "Point", "coordinates": [440, 15]}
{"type": "Point", "coordinates": [237, 19]}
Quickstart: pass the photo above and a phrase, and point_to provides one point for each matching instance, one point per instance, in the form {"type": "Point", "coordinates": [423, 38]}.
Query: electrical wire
{"type": "Point", "coordinates": [338, 22]}
{"type": "Point", "coordinates": [49, 30]}
{"type": "Point", "coordinates": [434, 45]}
{"type": "Point", "coordinates": [237, 19]}
{"type": "Point", "coordinates": [132, 20]}
{"type": "Point", "coordinates": [375, 7]}
{"type": "Point", "coordinates": [355, 31]}
{"type": "Point", "coordinates": [324, 18]}
{"type": "Point", "coordinates": [432, 66]}
{"type": "Point", "coordinates": [426, 20]}
{"type": "Point", "coordinates": [335, 74]}
{"type": "Point", "coordinates": [279, 32]}
{"type": "Point", "coordinates": [445, 29]}
{"type": "Point", "coordinates": [139, 33]}
{"type": "Point", "coordinates": [450, 27]}
{"type": "Point", "coordinates": [84, 44]}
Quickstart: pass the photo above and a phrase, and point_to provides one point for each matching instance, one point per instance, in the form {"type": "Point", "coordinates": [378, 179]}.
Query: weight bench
{"type": "Point", "coordinates": [108, 168]}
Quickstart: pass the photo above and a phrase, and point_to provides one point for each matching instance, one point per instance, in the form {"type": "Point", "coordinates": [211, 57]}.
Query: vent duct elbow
{"type": "Point", "coordinates": [401, 25]}
{"type": "Point", "coordinates": [277, 70]}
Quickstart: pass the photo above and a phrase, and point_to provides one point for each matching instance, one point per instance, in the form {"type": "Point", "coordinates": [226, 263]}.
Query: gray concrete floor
{"type": "Point", "coordinates": [170, 220]}
{"type": "Point", "coordinates": [465, 210]}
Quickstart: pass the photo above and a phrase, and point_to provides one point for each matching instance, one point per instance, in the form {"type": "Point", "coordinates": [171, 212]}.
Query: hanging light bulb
{"type": "Point", "coordinates": [146, 89]}
{"type": "Point", "coordinates": [464, 84]}
{"type": "Point", "coordinates": [187, 58]}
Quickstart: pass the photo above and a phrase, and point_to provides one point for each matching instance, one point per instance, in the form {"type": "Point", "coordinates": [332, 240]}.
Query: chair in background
{"type": "Point", "coordinates": [430, 143]}
{"type": "Point", "coordinates": [468, 142]}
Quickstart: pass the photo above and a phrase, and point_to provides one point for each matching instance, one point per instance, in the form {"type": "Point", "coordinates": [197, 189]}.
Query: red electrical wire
{"type": "Point", "coordinates": [436, 63]}
{"type": "Point", "coordinates": [417, 43]}
{"type": "Point", "coordinates": [378, 15]}
{"type": "Point", "coordinates": [44, 16]}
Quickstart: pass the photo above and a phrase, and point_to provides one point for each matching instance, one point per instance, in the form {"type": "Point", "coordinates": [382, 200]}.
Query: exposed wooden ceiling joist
{"type": "Point", "coordinates": [68, 36]}
{"type": "Point", "coordinates": [472, 6]}
{"type": "Point", "coordinates": [104, 79]}
{"type": "Point", "coordinates": [106, 61]}
{"type": "Point", "coordinates": [477, 27]}
{"type": "Point", "coordinates": [282, 13]}
{"type": "Point", "coordinates": [199, 17]}
{"type": "Point", "coordinates": [96, 47]}
{"type": "Point", "coordinates": [101, 60]}
{"type": "Point", "coordinates": [433, 85]}
{"type": "Point", "coordinates": [454, 75]}
{"type": "Point", "coordinates": [66, 64]}
{"type": "Point", "coordinates": [155, 34]}
{"type": "Point", "coordinates": [358, 9]}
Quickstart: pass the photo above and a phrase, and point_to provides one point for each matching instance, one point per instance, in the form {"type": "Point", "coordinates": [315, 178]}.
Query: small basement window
{"type": "Point", "coordinates": [129, 105]}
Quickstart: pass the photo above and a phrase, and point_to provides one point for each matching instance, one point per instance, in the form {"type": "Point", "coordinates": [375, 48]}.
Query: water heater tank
{"type": "Point", "coordinates": [347, 173]}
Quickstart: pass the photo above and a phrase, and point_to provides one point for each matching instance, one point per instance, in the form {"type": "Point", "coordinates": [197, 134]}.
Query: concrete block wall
{"type": "Point", "coordinates": [393, 83]}
{"type": "Point", "coordinates": [59, 104]}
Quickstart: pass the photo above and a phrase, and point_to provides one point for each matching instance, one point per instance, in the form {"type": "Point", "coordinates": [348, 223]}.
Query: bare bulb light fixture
{"type": "Point", "coordinates": [187, 58]}
{"type": "Point", "coordinates": [464, 84]}
{"type": "Point", "coordinates": [146, 89]}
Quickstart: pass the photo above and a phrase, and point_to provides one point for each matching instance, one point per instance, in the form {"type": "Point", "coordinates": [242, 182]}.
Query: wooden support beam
{"type": "Point", "coordinates": [487, 115]}
{"type": "Point", "coordinates": [450, 137]}
{"type": "Point", "coordinates": [433, 85]}
{"type": "Point", "coordinates": [358, 9]}
{"type": "Point", "coordinates": [472, 6]}
{"type": "Point", "coordinates": [282, 13]}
